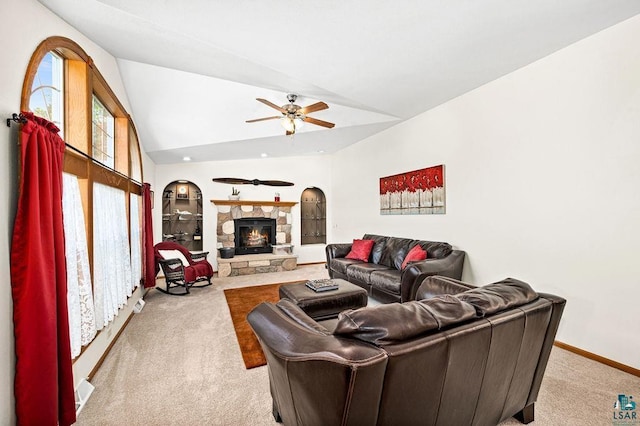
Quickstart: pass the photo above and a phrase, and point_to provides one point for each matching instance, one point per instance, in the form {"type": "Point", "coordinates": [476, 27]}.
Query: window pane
{"type": "Point", "coordinates": [102, 134]}
{"type": "Point", "coordinates": [111, 255]}
{"type": "Point", "coordinates": [46, 98]}
{"type": "Point", "coordinates": [136, 169]}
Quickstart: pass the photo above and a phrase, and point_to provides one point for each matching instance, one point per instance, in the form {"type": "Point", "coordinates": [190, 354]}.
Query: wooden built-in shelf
{"type": "Point", "coordinates": [254, 203]}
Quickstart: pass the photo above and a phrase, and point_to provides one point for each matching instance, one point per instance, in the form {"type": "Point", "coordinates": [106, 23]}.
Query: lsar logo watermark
{"type": "Point", "coordinates": [624, 411]}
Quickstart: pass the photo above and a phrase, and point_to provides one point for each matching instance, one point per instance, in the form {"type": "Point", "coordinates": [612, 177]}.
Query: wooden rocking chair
{"type": "Point", "coordinates": [182, 268]}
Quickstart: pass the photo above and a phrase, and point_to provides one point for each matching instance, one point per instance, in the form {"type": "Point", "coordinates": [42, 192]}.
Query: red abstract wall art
{"type": "Point", "coordinates": [416, 192]}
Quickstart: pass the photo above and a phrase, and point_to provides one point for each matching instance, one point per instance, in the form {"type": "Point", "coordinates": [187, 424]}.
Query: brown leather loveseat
{"type": "Point", "coordinates": [472, 356]}
{"type": "Point", "coordinates": [382, 274]}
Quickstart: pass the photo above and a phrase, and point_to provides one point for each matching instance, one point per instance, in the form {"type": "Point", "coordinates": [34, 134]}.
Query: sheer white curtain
{"type": "Point", "coordinates": [82, 324]}
{"type": "Point", "coordinates": [111, 256]}
{"type": "Point", "coordinates": [136, 245]}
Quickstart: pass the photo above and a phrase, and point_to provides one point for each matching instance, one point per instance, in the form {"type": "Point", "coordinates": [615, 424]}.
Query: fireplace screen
{"type": "Point", "coordinates": [254, 235]}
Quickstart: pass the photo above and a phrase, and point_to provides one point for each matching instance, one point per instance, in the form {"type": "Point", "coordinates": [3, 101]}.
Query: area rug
{"type": "Point", "coordinates": [241, 301]}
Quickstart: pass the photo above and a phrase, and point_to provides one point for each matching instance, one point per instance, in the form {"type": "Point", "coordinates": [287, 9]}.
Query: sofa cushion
{"type": "Point", "coordinates": [378, 249]}
{"type": "Point", "coordinates": [396, 322]}
{"type": "Point", "coordinates": [435, 249]}
{"type": "Point", "coordinates": [387, 280]}
{"type": "Point", "coordinates": [392, 247]}
{"type": "Point", "coordinates": [437, 285]}
{"type": "Point", "coordinates": [360, 250]}
{"type": "Point", "coordinates": [362, 271]}
{"type": "Point", "coordinates": [399, 257]}
{"type": "Point", "coordinates": [415, 254]}
{"type": "Point", "coordinates": [341, 264]}
{"type": "Point", "coordinates": [498, 296]}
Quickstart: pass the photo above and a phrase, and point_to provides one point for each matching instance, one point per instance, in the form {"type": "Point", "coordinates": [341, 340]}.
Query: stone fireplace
{"type": "Point", "coordinates": [277, 213]}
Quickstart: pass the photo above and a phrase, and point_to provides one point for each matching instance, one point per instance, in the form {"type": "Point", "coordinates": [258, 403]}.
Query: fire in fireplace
{"type": "Point", "coordinates": [254, 235]}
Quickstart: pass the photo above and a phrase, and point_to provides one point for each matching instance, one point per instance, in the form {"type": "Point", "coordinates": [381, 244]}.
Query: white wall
{"type": "Point", "coordinates": [542, 184]}
{"type": "Point", "coordinates": [304, 172]}
{"type": "Point", "coordinates": [23, 25]}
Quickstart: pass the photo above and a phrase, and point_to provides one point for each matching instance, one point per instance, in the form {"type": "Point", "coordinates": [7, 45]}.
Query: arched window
{"type": "Point", "coordinates": [313, 216]}
{"type": "Point", "coordinates": [102, 161]}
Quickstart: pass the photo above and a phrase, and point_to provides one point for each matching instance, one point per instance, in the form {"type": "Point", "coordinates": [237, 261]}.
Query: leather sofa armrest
{"type": "Point", "coordinates": [276, 330]}
{"type": "Point", "coordinates": [296, 314]}
{"type": "Point", "coordinates": [337, 250]}
{"type": "Point", "coordinates": [416, 272]}
{"type": "Point", "coordinates": [437, 285]}
{"type": "Point", "coordinates": [309, 370]}
{"type": "Point", "coordinates": [558, 304]}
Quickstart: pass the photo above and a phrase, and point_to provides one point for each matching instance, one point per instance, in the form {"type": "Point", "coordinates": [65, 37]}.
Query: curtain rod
{"type": "Point", "coordinates": [19, 118]}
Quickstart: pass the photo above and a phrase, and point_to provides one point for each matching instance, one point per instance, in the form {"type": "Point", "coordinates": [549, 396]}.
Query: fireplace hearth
{"type": "Point", "coordinates": [254, 235]}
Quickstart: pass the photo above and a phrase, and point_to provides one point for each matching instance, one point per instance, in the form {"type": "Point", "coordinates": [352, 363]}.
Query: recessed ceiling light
{"type": "Point", "coordinates": [264, 154]}
{"type": "Point", "coordinates": [321, 151]}
{"type": "Point", "coordinates": [186, 158]}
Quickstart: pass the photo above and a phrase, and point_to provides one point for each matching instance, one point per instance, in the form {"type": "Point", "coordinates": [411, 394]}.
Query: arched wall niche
{"type": "Point", "coordinates": [313, 216]}
{"type": "Point", "coordinates": [182, 219]}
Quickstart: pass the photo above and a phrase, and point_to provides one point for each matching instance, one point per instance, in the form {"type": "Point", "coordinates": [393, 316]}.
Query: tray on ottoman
{"type": "Point", "coordinates": [325, 304]}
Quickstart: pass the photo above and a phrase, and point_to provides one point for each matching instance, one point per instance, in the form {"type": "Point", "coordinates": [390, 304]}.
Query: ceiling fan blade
{"type": "Point", "coordinates": [319, 122]}
{"type": "Point", "coordinates": [232, 181]}
{"type": "Point", "coordinates": [288, 133]}
{"type": "Point", "coordinates": [318, 106]}
{"type": "Point", "coordinates": [272, 105]}
{"type": "Point", "coordinates": [263, 119]}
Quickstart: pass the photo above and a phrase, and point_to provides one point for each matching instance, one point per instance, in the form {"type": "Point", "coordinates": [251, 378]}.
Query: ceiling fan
{"type": "Point", "coordinates": [294, 115]}
{"type": "Point", "coordinates": [239, 181]}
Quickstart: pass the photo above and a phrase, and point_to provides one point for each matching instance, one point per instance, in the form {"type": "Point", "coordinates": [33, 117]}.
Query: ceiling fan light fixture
{"type": "Point", "coordinates": [291, 124]}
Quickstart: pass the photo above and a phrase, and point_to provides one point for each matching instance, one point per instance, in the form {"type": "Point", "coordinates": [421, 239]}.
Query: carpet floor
{"type": "Point", "coordinates": [178, 363]}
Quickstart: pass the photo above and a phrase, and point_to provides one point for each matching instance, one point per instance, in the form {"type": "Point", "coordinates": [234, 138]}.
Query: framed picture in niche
{"type": "Point", "coordinates": [182, 191]}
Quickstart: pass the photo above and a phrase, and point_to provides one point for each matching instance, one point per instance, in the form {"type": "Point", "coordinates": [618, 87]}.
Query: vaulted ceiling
{"type": "Point", "coordinates": [193, 68]}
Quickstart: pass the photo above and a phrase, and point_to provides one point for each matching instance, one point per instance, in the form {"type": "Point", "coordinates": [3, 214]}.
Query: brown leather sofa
{"type": "Point", "coordinates": [382, 276]}
{"type": "Point", "coordinates": [473, 356]}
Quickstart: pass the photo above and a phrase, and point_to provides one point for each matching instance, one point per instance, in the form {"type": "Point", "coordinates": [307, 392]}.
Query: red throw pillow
{"type": "Point", "coordinates": [416, 253]}
{"type": "Point", "coordinates": [361, 249]}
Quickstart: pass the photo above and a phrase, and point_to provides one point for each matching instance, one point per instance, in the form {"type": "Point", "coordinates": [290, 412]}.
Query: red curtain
{"type": "Point", "coordinates": [149, 263]}
{"type": "Point", "coordinates": [44, 377]}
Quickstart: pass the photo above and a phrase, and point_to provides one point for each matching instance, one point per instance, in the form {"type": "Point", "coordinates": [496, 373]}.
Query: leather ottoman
{"type": "Point", "coordinates": [325, 304]}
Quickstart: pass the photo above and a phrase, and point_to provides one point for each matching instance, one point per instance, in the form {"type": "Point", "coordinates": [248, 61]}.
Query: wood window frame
{"type": "Point", "coordinates": [82, 80]}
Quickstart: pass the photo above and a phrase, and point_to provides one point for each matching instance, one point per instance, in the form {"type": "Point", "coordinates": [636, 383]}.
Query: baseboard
{"type": "Point", "coordinates": [598, 358]}
{"type": "Point", "coordinates": [312, 263]}
{"type": "Point", "coordinates": [106, 352]}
